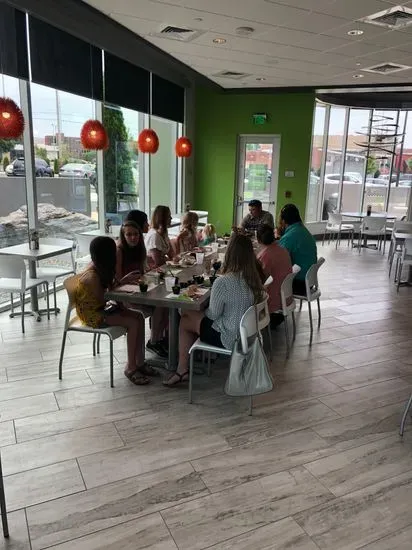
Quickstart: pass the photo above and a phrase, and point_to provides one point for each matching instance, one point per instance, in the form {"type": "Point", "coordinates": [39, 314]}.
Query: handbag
{"type": "Point", "coordinates": [249, 373]}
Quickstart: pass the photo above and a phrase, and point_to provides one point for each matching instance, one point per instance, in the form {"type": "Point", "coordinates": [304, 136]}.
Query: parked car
{"type": "Point", "coordinates": [73, 170]}
{"type": "Point", "coordinates": [347, 178]}
{"type": "Point", "coordinates": [377, 181]}
{"type": "Point", "coordinates": [16, 168]}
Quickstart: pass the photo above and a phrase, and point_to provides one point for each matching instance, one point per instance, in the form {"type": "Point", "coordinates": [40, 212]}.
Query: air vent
{"type": "Point", "coordinates": [386, 68]}
{"type": "Point", "coordinates": [183, 34]}
{"type": "Point", "coordinates": [394, 18]}
{"type": "Point", "coordinates": [231, 74]}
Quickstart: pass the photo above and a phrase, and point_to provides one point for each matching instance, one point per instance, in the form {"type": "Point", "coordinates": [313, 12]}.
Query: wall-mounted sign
{"type": "Point", "coordinates": [260, 118]}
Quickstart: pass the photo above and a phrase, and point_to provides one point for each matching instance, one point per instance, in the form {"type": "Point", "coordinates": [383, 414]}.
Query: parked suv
{"type": "Point", "coordinates": [16, 168]}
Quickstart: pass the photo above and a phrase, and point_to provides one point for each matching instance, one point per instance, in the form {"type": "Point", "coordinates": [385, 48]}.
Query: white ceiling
{"type": "Point", "coordinates": [294, 43]}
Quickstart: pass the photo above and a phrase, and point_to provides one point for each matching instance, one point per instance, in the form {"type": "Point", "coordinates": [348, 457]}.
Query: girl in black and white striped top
{"type": "Point", "coordinates": [239, 287]}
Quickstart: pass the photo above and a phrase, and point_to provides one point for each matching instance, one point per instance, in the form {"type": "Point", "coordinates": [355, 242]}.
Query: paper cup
{"type": "Point", "coordinates": [170, 283]}
{"type": "Point", "coordinates": [200, 256]}
{"type": "Point", "coordinates": [215, 247]}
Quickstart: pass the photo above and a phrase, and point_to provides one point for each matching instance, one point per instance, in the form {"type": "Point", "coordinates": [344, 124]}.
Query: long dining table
{"type": "Point", "coordinates": [158, 296]}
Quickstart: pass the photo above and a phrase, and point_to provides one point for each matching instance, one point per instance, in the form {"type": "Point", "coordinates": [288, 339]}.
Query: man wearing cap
{"type": "Point", "coordinates": [256, 217]}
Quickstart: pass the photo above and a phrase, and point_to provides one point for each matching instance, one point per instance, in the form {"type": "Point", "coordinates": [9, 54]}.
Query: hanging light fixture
{"type": "Point", "coordinates": [11, 119]}
{"type": "Point", "coordinates": [94, 136]}
{"type": "Point", "coordinates": [148, 141]}
{"type": "Point", "coordinates": [183, 147]}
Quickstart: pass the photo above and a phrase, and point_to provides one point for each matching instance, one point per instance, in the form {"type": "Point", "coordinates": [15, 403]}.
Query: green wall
{"type": "Point", "coordinates": [220, 118]}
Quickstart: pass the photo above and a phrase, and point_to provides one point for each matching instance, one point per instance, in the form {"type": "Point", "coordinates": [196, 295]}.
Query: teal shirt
{"type": "Point", "coordinates": [301, 246]}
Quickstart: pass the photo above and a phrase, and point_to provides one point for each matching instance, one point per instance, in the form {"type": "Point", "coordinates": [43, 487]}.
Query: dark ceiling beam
{"type": "Point", "coordinates": [85, 22]}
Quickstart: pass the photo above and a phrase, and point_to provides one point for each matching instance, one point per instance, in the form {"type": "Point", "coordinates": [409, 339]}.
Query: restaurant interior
{"type": "Point", "coordinates": [260, 154]}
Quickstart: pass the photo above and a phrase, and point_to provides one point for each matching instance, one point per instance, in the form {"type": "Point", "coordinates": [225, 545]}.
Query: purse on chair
{"type": "Point", "coordinates": [249, 373]}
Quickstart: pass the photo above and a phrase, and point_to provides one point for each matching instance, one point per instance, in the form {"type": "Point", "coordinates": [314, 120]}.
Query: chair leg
{"type": "Point", "coordinates": [191, 362]}
{"type": "Point", "coordinates": [300, 307]}
{"type": "Point", "coordinates": [3, 505]}
{"type": "Point", "coordinates": [62, 355]}
{"type": "Point", "coordinates": [55, 297]}
{"type": "Point", "coordinates": [209, 364]}
{"type": "Point", "coordinates": [98, 343]}
{"type": "Point", "coordinates": [390, 267]}
{"type": "Point", "coordinates": [405, 416]}
{"type": "Point", "coordinates": [384, 244]}
{"type": "Point", "coordinates": [319, 313]}
{"type": "Point", "coordinates": [22, 312]}
{"type": "Point", "coordinates": [111, 364]}
{"type": "Point", "coordinates": [324, 237]}
{"type": "Point", "coordinates": [337, 240]}
{"type": "Point", "coordinates": [311, 323]}
{"type": "Point", "coordinates": [293, 326]}
{"type": "Point", "coordinates": [250, 405]}
{"type": "Point", "coordinates": [11, 305]}
{"type": "Point", "coordinates": [48, 302]}
{"type": "Point", "coordinates": [270, 342]}
{"type": "Point", "coordinates": [287, 337]}
{"type": "Point", "coordinates": [94, 344]}
{"type": "Point", "coordinates": [399, 276]}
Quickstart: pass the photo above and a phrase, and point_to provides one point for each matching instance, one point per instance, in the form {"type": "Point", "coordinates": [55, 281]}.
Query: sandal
{"type": "Point", "coordinates": [147, 370]}
{"type": "Point", "coordinates": [136, 378]}
{"type": "Point", "coordinates": [180, 378]}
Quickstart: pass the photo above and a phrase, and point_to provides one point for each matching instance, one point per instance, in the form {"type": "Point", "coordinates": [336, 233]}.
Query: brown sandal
{"type": "Point", "coordinates": [147, 370]}
{"type": "Point", "coordinates": [180, 378]}
{"type": "Point", "coordinates": [137, 378]}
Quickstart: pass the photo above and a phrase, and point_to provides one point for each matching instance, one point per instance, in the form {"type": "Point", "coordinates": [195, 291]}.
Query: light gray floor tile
{"type": "Point", "coordinates": [27, 406]}
{"type": "Point", "coordinates": [56, 448]}
{"type": "Point", "coordinates": [298, 370]}
{"type": "Point", "coordinates": [106, 506]}
{"type": "Point", "coordinates": [361, 517]}
{"type": "Point", "coordinates": [376, 354]}
{"type": "Point", "coordinates": [79, 397]}
{"type": "Point", "coordinates": [42, 484]}
{"type": "Point", "coordinates": [395, 541]}
{"type": "Point", "coordinates": [19, 536]}
{"type": "Point", "coordinates": [7, 435]}
{"type": "Point", "coordinates": [282, 535]}
{"type": "Point", "coordinates": [232, 512]}
{"type": "Point", "coordinates": [149, 533]}
{"type": "Point", "coordinates": [370, 374]}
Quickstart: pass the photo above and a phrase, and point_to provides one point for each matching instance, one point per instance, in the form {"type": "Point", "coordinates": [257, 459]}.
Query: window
{"type": "Point", "coordinates": [315, 185]}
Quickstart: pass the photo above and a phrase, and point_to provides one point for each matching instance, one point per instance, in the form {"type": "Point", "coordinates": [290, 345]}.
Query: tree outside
{"type": "Point", "coordinates": [372, 166]}
{"type": "Point", "coordinates": [6, 162]}
{"type": "Point", "coordinates": [41, 153]}
{"type": "Point", "coordinates": [117, 159]}
{"type": "Point", "coordinates": [6, 145]}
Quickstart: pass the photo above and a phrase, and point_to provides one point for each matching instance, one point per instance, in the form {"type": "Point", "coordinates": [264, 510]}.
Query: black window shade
{"type": "Point", "coordinates": [168, 99]}
{"type": "Point", "coordinates": [13, 42]}
{"type": "Point", "coordinates": [126, 85]}
{"type": "Point", "coordinates": [62, 61]}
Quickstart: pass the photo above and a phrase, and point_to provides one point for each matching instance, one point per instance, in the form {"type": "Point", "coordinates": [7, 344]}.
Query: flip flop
{"type": "Point", "coordinates": [147, 370]}
{"type": "Point", "coordinates": [179, 380]}
{"type": "Point", "coordinates": [137, 378]}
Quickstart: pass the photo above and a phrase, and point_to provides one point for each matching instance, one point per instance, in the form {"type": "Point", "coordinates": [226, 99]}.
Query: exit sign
{"type": "Point", "coordinates": [259, 118]}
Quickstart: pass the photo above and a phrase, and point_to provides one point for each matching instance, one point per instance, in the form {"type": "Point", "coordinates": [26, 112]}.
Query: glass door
{"type": "Point", "coordinates": [257, 173]}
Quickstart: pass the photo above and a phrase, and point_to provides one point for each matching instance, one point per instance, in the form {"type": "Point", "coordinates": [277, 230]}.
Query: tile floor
{"type": "Point", "coordinates": [318, 466]}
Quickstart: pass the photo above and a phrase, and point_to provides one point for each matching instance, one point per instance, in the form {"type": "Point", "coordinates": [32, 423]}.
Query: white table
{"type": "Point", "coordinates": [361, 215]}
{"type": "Point", "coordinates": [114, 233]}
{"type": "Point", "coordinates": [33, 256]}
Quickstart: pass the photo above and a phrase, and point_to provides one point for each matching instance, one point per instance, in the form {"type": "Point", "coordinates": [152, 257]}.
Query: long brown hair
{"type": "Point", "coordinates": [190, 221]}
{"type": "Point", "coordinates": [132, 254]}
{"type": "Point", "coordinates": [241, 259]}
{"type": "Point", "coordinates": [103, 255]}
{"type": "Point", "coordinates": [160, 218]}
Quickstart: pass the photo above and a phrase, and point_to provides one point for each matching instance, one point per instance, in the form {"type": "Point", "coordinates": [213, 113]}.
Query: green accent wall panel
{"type": "Point", "coordinates": [220, 119]}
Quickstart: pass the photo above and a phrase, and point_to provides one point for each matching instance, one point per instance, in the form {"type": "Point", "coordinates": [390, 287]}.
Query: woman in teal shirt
{"type": "Point", "coordinates": [300, 244]}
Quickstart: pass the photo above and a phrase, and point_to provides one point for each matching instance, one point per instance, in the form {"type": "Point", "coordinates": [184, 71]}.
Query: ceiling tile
{"type": "Point", "coordinates": [347, 9]}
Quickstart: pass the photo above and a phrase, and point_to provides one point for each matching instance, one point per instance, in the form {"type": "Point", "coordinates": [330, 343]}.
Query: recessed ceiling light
{"type": "Point", "coordinates": [260, 78]}
{"type": "Point", "coordinates": [358, 64]}
{"type": "Point", "coordinates": [358, 75]}
{"type": "Point", "coordinates": [355, 32]}
{"type": "Point", "coordinates": [219, 40]}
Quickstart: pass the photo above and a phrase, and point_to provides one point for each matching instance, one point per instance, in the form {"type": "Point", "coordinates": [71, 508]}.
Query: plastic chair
{"type": "Point", "coordinates": [288, 305]}
{"type": "Point", "coordinates": [3, 505]}
{"type": "Point", "coordinates": [312, 293]}
{"type": "Point", "coordinates": [82, 250]}
{"type": "Point", "coordinates": [73, 324]}
{"type": "Point", "coordinates": [396, 246]}
{"type": "Point", "coordinates": [15, 280]}
{"type": "Point", "coordinates": [247, 329]}
{"type": "Point", "coordinates": [52, 273]}
{"type": "Point", "coordinates": [404, 260]}
{"type": "Point", "coordinates": [335, 226]}
{"type": "Point", "coordinates": [373, 227]}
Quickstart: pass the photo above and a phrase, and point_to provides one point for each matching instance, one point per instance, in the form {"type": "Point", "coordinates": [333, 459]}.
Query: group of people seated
{"type": "Point", "coordinates": [140, 249]}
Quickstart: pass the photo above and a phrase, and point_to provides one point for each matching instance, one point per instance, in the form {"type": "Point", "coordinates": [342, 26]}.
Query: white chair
{"type": "Point", "coordinates": [3, 505]}
{"type": "Point", "coordinates": [405, 415]}
{"type": "Point", "coordinates": [288, 305]}
{"type": "Point", "coordinates": [373, 226]}
{"type": "Point", "coordinates": [404, 260]}
{"type": "Point", "coordinates": [396, 246]}
{"type": "Point", "coordinates": [14, 280]}
{"type": "Point", "coordinates": [335, 226]}
{"type": "Point", "coordinates": [82, 250]}
{"type": "Point", "coordinates": [73, 324]}
{"type": "Point", "coordinates": [247, 330]}
{"type": "Point", "coordinates": [312, 293]}
{"type": "Point", "coordinates": [52, 273]}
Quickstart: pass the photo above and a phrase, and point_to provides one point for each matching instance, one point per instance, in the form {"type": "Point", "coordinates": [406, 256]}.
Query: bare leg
{"type": "Point", "coordinates": [134, 324]}
{"type": "Point", "coordinates": [189, 330]}
{"type": "Point", "coordinates": [160, 319]}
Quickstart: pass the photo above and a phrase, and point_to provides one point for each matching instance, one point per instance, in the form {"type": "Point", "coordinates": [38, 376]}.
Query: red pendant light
{"type": "Point", "coordinates": [183, 147]}
{"type": "Point", "coordinates": [11, 119]}
{"type": "Point", "coordinates": [148, 141]}
{"type": "Point", "coordinates": [94, 136]}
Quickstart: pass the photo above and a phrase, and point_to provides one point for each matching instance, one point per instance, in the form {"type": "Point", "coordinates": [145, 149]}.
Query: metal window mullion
{"type": "Point", "coordinates": [367, 157]}
{"type": "Point", "coordinates": [28, 145]}
{"type": "Point", "coordinates": [146, 172]}
{"type": "Point", "coordinates": [344, 149]}
{"type": "Point", "coordinates": [101, 198]}
{"type": "Point", "coordinates": [388, 191]}
{"type": "Point", "coordinates": [323, 163]}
